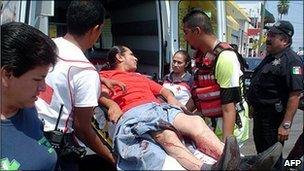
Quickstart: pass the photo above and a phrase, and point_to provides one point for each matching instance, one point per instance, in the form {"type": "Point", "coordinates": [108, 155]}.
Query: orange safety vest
{"type": "Point", "coordinates": [206, 91]}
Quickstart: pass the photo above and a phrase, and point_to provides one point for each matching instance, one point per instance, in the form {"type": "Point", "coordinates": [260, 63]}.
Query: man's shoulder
{"type": "Point", "coordinates": [59, 41]}
{"type": "Point", "coordinates": [228, 56]}
{"type": "Point", "coordinates": [111, 73]}
{"type": "Point", "coordinates": [31, 116]}
{"type": "Point", "coordinates": [69, 51]}
{"type": "Point", "coordinates": [228, 52]}
{"type": "Point", "coordinates": [292, 57]}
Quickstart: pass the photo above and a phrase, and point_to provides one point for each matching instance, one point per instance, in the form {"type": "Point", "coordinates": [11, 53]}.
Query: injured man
{"type": "Point", "coordinates": [147, 131]}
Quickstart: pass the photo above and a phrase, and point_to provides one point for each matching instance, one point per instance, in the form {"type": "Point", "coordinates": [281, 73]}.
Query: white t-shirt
{"type": "Point", "coordinates": [73, 82]}
{"type": "Point", "coordinates": [181, 89]}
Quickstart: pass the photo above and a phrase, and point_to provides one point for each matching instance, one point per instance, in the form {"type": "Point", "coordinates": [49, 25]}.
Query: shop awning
{"type": "Point", "coordinates": [253, 31]}
{"type": "Point", "coordinates": [231, 22]}
{"type": "Point", "coordinates": [238, 12]}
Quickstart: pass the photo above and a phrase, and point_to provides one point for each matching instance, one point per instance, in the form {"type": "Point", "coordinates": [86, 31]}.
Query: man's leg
{"type": "Point", "coordinates": [265, 131]}
{"type": "Point", "coordinates": [195, 127]}
{"type": "Point", "coordinates": [175, 148]}
{"type": "Point", "coordinates": [229, 159]}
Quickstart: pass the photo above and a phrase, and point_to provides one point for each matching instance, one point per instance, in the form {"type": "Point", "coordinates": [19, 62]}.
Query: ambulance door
{"type": "Point", "coordinates": [136, 25]}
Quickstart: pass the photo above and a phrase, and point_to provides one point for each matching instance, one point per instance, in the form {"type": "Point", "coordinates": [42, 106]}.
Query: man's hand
{"type": "Point", "coordinates": [283, 133]}
{"type": "Point", "coordinates": [176, 103]}
{"type": "Point", "coordinates": [167, 94]}
{"type": "Point", "coordinates": [112, 83]}
{"type": "Point", "coordinates": [114, 113]}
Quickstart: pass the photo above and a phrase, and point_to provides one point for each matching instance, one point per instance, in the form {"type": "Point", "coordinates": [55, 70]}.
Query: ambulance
{"type": "Point", "coordinates": [152, 29]}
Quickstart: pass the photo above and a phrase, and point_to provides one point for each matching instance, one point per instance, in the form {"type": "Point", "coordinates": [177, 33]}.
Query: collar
{"type": "Point", "coordinates": [280, 54]}
{"type": "Point", "coordinates": [216, 43]}
{"type": "Point", "coordinates": [69, 51]}
{"type": "Point", "coordinates": [185, 78]}
{"type": "Point", "coordinates": [16, 116]}
{"type": "Point", "coordinates": [276, 56]}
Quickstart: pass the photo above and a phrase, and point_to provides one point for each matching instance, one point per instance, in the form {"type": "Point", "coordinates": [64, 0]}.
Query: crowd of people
{"type": "Point", "coordinates": [49, 90]}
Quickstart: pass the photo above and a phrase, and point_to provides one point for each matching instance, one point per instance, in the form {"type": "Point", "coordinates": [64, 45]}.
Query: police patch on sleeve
{"type": "Point", "coordinates": [297, 70]}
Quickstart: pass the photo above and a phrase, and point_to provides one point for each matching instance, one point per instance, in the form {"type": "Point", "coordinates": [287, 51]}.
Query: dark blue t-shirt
{"type": "Point", "coordinates": [23, 145]}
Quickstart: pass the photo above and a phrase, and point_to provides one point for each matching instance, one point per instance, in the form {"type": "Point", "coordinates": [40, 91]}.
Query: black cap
{"type": "Point", "coordinates": [282, 27]}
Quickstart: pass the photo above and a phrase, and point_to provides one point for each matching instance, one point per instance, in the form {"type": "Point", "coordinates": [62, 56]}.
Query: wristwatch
{"type": "Point", "coordinates": [286, 125]}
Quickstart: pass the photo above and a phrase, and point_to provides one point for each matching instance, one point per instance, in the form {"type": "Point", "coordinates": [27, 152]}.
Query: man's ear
{"type": "Point", "coordinates": [98, 27]}
{"type": "Point", "coordinates": [119, 57]}
{"type": "Point", "coordinates": [5, 77]}
{"type": "Point", "coordinates": [285, 40]}
{"type": "Point", "coordinates": [197, 30]}
{"type": "Point", "coordinates": [95, 30]}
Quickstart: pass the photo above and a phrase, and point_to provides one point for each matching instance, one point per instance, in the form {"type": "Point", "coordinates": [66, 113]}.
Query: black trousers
{"type": "Point", "coordinates": [266, 121]}
{"type": "Point", "coordinates": [67, 165]}
{"type": "Point", "coordinates": [298, 150]}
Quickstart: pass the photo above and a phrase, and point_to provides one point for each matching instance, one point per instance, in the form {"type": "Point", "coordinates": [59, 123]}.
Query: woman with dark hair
{"type": "Point", "coordinates": [179, 81]}
{"type": "Point", "coordinates": [26, 56]}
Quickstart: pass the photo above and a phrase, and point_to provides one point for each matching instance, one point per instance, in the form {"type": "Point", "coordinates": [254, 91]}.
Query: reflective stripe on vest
{"type": "Point", "coordinates": [209, 96]}
{"type": "Point", "coordinates": [208, 93]}
{"type": "Point", "coordinates": [210, 108]}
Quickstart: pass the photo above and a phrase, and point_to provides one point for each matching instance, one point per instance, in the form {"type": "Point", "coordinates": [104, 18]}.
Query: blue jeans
{"type": "Point", "coordinates": [135, 147]}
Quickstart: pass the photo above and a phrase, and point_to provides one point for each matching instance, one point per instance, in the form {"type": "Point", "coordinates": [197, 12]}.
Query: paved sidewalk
{"type": "Point", "coordinates": [296, 130]}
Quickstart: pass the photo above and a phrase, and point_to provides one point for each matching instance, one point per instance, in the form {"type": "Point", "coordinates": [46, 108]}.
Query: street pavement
{"type": "Point", "coordinates": [296, 130]}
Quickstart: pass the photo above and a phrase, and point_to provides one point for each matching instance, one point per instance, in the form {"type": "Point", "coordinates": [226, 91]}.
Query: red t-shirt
{"type": "Point", "coordinates": [139, 89]}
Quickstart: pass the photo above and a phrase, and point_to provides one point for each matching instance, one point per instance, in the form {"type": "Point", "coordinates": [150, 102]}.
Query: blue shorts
{"type": "Point", "coordinates": [133, 143]}
{"type": "Point", "coordinates": [163, 111]}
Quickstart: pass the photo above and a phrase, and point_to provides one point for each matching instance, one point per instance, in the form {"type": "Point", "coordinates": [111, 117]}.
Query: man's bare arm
{"type": "Point", "coordinates": [292, 106]}
{"type": "Point", "coordinates": [110, 84]}
{"type": "Point", "coordinates": [85, 132]}
{"type": "Point", "coordinates": [229, 116]}
{"type": "Point", "coordinates": [114, 110]}
{"type": "Point", "coordinates": [170, 97]}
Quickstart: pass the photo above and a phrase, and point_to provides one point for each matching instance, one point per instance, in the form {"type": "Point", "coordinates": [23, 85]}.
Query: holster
{"type": "Point", "coordinates": [65, 145]}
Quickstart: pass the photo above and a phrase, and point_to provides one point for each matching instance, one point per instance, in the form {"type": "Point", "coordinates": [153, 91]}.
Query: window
{"type": "Point", "coordinates": [251, 40]}
{"type": "Point", "coordinates": [209, 7]}
{"type": "Point", "coordinates": [105, 40]}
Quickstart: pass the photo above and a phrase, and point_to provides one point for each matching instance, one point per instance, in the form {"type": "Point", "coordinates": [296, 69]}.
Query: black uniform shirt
{"type": "Point", "coordinates": [275, 78]}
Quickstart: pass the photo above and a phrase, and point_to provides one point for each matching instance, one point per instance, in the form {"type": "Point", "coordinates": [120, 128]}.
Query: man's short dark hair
{"type": "Point", "coordinates": [118, 49]}
{"type": "Point", "coordinates": [23, 48]}
{"type": "Point", "coordinates": [198, 18]}
{"type": "Point", "coordinates": [84, 15]}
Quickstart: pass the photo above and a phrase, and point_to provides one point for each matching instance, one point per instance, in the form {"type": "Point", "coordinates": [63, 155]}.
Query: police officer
{"type": "Point", "coordinates": [275, 88]}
